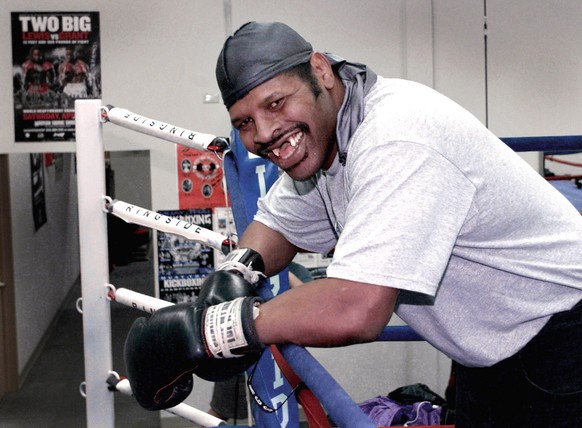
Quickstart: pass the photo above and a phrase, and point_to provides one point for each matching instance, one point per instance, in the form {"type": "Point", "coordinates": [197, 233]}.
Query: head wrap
{"type": "Point", "coordinates": [255, 53]}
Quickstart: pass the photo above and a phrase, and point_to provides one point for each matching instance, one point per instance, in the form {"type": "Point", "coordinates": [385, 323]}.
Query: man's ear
{"type": "Point", "coordinates": [322, 69]}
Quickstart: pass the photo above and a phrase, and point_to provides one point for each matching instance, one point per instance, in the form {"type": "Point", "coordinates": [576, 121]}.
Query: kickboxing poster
{"type": "Point", "coordinates": [55, 60]}
{"type": "Point", "coordinates": [183, 263]}
{"type": "Point", "coordinates": [199, 179]}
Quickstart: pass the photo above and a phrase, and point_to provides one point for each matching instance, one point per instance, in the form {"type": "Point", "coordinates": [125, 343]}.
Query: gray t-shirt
{"type": "Point", "coordinates": [483, 249]}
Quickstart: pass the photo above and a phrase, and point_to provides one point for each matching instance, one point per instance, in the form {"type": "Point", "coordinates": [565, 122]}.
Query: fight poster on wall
{"type": "Point", "coordinates": [183, 263]}
{"type": "Point", "coordinates": [199, 179]}
{"type": "Point", "coordinates": [55, 60]}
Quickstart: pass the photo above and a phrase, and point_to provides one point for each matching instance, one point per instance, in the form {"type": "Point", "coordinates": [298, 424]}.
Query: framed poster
{"type": "Point", "coordinates": [55, 60]}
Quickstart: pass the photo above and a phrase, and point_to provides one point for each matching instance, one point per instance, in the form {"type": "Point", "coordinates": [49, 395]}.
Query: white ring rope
{"type": "Point", "coordinates": [137, 300]}
{"type": "Point", "coordinates": [162, 130]}
{"type": "Point", "coordinates": [144, 217]}
{"type": "Point", "coordinates": [183, 410]}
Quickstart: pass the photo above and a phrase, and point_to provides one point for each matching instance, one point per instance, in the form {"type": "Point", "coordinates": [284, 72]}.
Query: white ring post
{"type": "Point", "coordinates": [94, 263]}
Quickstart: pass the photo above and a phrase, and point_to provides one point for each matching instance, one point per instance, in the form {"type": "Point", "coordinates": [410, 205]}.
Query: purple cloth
{"type": "Point", "coordinates": [386, 412]}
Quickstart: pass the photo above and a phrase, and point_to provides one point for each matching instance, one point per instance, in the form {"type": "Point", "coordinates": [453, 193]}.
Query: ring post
{"type": "Point", "coordinates": [94, 263]}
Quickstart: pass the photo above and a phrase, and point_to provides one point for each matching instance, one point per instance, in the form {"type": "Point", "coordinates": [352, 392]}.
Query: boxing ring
{"type": "Point", "coordinates": [307, 380]}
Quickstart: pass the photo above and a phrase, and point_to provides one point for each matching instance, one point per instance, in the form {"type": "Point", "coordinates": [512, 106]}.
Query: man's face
{"type": "Point", "coordinates": [283, 121]}
{"type": "Point", "coordinates": [36, 55]}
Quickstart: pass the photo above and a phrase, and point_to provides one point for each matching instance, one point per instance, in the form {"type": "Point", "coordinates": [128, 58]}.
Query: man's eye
{"type": "Point", "coordinates": [244, 124]}
{"type": "Point", "coordinates": [275, 103]}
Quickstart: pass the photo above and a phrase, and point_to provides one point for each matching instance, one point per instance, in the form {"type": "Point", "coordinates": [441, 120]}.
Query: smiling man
{"type": "Point", "coordinates": [431, 217]}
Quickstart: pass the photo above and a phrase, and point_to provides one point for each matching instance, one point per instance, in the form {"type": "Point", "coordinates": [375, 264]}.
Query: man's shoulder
{"type": "Point", "coordinates": [387, 86]}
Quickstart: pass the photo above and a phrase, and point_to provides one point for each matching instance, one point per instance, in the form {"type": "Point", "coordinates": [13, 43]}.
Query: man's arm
{"type": "Point", "coordinates": [326, 312]}
{"type": "Point", "coordinates": [321, 313]}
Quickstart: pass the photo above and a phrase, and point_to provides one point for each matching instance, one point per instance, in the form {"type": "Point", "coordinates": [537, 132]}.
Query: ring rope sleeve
{"type": "Point", "coordinates": [154, 220]}
{"type": "Point", "coordinates": [165, 131]}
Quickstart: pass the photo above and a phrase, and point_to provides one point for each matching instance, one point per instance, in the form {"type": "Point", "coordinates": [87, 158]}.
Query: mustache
{"type": "Point", "coordinates": [262, 148]}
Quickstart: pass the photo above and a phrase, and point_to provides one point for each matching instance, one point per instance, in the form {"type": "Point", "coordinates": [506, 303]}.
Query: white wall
{"type": "Point", "coordinates": [535, 57]}
{"type": "Point", "coordinates": [132, 176]}
{"type": "Point", "coordinates": [158, 60]}
{"type": "Point", "coordinates": [46, 260]}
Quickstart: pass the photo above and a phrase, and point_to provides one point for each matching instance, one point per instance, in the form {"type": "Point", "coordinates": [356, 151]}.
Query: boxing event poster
{"type": "Point", "coordinates": [183, 263]}
{"type": "Point", "coordinates": [200, 177]}
{"type": "Point", "coordinates": [55, 60]}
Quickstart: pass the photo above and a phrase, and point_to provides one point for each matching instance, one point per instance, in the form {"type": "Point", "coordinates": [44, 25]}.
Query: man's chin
{"type": "Point", "coordinates": [297, 176]}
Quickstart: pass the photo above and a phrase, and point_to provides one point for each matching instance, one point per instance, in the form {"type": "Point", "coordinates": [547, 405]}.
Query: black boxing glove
{"type": "Point", "coordinates": [224, 285]}
{"type": "Point", "coordinates": [242, 262]}
{"type": "Point", "coordinates": [213, 337]}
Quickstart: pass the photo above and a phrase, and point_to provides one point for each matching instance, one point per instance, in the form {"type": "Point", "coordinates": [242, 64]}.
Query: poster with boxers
{"type": "Point", "coordinates": [55, 60]}
{"type": "Point", "coordinates": [199, 179]}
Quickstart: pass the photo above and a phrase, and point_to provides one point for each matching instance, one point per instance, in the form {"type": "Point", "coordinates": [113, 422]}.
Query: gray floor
{"type": "Point", "coordinates": [50, 394]}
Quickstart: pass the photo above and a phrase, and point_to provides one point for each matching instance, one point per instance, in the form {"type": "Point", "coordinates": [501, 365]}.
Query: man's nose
{"type": "Point", "coordinates": [265, 130]}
